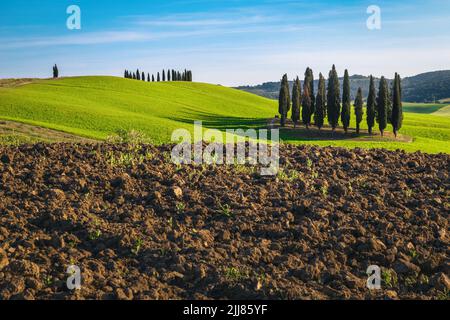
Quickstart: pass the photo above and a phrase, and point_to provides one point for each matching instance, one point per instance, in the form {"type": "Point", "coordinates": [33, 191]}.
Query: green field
{"type": "Point", "coordinates": [95, 107]}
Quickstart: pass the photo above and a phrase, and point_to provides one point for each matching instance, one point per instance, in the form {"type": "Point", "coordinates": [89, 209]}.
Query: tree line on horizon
{"type": "Point", "coordinates": [169, 75]}
{"type": "Point", "coordinates": [383, 108]}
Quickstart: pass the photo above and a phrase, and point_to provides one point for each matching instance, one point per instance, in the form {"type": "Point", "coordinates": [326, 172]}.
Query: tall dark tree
{"type": "Point", "coordinates": [319, 114]}
{"type": "Point", "coordinates": [158, 78]}
{"type": "Point", "coordinates": [346, 103]}
{"type": "Point", "coordinates": [359, 111]}
{"type": "Point", "coordinates": [148, 77]}
{"type": "Point", "coordinates": [390, 92]}
{"type": "Point", "coordinates": [306, 105]}
{"type": "Point", "coordinates": [382, 103]}
{"type": "Point", "coordinates": [179, 76]}
{"type": "Point", "coordinates": [143, 76]}
{"type": "Point", "coordinates": [125, 75]}
{"type": "Point", "coordinates": [134, 76]}
{"type": "Point", "coordinates": [284, 101]}
{"type": "Point", "coordinates": [296, 101]}
{"type": "Point", "coordinates": [168, 75]}
{"type": "Point", "coordinates": [163, 75]}
{"type": "Point", "coordinates": [333, 99]}
{"type": "Point", "coordinates": [397, 106]}
{"type": "Point", "coordinates": [371, 106]}
{"type": "Point", "coordinates": [153, 78]}
{"type": "Point", "coordinates": [309, 78]}
{"type": "Point", "coordinates": [55, 71]}
{"type": "Point", "coordinates": [138, 75]}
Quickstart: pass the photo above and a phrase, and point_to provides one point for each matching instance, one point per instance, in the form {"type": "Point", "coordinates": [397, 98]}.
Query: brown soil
{"type": "Point", "coordinates": [152, 230]}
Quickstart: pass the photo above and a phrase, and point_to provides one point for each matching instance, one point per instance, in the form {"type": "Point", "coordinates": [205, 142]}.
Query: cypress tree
{"type": "Point", "coordinates": [309, 78]}
{"type": "Point", "coordinates": [143, 76]}
{"type": "Point", "coordinates": [306, 105]}
{"type": "Point", "coordinates": [397, 106]}
{"type": "Point", "coordinates": [163, 75]}
{"type": "Point", "coordinates": [284, 102]}
{"type": "Point", "coordinates": [168, 75]}
{"type": "Point", "coordinates": [346, 108]}
{"type": "Point", "coordinates": [333, 99]}
{"type": "Point", "coordinates": [153, 78]}
{"type": "Point", "coordinates": [158, 78]}
{"type": "Point", "coordinates": [179, 76]}
{"type": "Point", "coordinates": [319, 114]}
{"type": "Point", "coordinates": [296, 96]}
{"type": "Point", "coordinates": [359, 112]}
{"type": "Point", "coordinates": [125, 75]}
{"type": "Point", "coordinates": [148, 77]}
{"type": "Point", "coordinates": [138, 75]}
{"type": "Point", "coordinates": [55, 71]}
{"type": "Point", "coordinates": [382, 103]}
{"type": "Point", "coordinates": [134, 76]}
{"type": "Point", "coordinates": [371, 106]}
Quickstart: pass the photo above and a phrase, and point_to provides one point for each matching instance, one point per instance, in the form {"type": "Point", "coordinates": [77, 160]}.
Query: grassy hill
{"type": "Point", "coordinates": [95, 107]}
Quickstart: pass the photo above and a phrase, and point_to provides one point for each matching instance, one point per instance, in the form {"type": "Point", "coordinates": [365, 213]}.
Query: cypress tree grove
{"type": "Point", "coordinates": [333, 99]}
{"type": "Point", "coordinates": [397, 107]}
{"type": "Point", "coordinates": [284, 102]}
{"type": "Point", "coordinates": [306, 105]}
{"type": "Point", "coordinates": [382, 103]}
{"type": "Point", "coordinates": [371, 106]}
{"type": "Point", "coordinates": [346, 108]}
{"type": "Point", "coordinates": [319, 114]}
{"type": "Point", "coordinates": [359, 112]}
{"type": "Point", "coordinates": [296, 96]}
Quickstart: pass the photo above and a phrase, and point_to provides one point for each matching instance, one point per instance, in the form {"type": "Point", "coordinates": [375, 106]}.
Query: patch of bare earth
{"type": "Point", "coordinates": [144, 228]}
{"type": "Point", "coordinates": [16, 133]}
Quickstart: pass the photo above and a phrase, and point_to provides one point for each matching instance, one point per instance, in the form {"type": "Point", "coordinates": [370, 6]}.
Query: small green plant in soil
{"type": "Point", "coordinates": [226, 210]}
{"type": "Point", "coordinates": [137, 246]}
{"type": "Point", "coordinates": [388, 278]}
{"type": "Point", "coordinates": [233, 274]}
{"type": "Point", "coordinates": [180, 207]}
{"type": "Point", "coordinates": [95, 235]}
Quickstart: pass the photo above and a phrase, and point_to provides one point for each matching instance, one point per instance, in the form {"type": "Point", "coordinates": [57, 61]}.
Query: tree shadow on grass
{"type": "Point", "coordinates": [220, 122]}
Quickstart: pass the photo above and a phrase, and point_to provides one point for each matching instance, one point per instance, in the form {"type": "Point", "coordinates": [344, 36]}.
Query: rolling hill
{"type": "Point", "coordinates": [425, 87]}
{"type": "Point", "coordinates": [95, 107]}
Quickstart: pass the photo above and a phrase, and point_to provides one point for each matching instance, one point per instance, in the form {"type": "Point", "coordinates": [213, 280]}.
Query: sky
{"type": "Point", "coordinates": [233, 42]}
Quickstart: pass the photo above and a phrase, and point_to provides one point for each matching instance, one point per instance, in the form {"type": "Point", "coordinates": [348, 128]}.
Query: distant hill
{"type": "Point", "coordinates": [425, 87]}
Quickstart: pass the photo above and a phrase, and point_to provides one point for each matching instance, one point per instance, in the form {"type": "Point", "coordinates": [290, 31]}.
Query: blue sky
{"type": "Point", "coordinates": [226, 42]}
